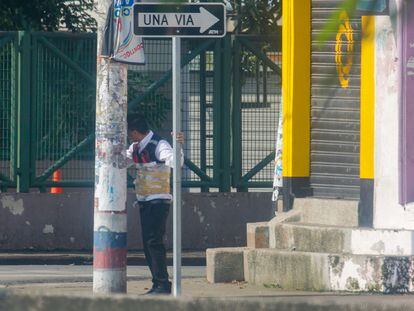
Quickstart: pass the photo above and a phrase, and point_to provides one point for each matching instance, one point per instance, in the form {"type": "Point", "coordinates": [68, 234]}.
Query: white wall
{"type": "Point", "coordinates": [388, 213]}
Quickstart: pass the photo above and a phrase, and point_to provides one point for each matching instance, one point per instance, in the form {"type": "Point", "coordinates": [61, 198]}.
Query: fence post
{"type": "Point", "coordinates": [225, 180]}
{"type": "Point", "coordinates": [23, 112]}
{"type": "Point", "coordinates": [236, 117]}
{"type": "Point", "coordinates": [217, 88]}
{"type": "Point", "coordinates": [203, 115]}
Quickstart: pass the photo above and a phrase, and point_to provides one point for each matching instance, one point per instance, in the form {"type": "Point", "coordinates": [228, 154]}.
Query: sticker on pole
{"type": "Point", "coordinates": [180, 20]}
{"type": "Point", "coordinates": [120, 43]}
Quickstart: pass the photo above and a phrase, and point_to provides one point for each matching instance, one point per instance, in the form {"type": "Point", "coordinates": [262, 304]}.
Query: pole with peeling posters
{"type": "Point", "coordinates": [110, 218]}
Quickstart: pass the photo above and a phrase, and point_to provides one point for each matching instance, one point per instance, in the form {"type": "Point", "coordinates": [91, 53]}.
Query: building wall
{"type": "Point", "coordinates": [388, 213]}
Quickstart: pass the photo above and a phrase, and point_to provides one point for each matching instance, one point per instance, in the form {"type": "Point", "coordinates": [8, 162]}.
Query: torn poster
{"type": "Point", "coordinates": [120, 44]}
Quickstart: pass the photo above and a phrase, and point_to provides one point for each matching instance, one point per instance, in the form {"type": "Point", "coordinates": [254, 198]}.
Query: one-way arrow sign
{"type": "Point", "coordinates": [179, 20]}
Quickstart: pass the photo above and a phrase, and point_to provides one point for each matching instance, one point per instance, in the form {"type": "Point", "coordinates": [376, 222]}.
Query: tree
{"type": "Point", "coordinates": [47, 15]}
{"type": "Point", "coordinates": [258, 16]}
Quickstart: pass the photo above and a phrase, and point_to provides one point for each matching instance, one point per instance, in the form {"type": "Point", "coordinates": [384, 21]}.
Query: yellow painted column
{"type": "Point", "coordinates": [367, 121]}
{"type": "Point", "coordinates": [296, 87]}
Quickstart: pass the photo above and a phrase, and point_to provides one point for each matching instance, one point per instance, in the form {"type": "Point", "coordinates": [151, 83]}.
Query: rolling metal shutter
{"type": "Point", "coordinates": [335, 107]}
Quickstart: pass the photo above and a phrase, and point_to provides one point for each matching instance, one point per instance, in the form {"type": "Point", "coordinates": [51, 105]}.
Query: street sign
{"type": "Point", "coordinates": [180, 20]}
{"type": "Point", "coordinates": [176, 20]}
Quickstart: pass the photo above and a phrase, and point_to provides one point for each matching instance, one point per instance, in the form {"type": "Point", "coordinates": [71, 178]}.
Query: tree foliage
{"type": "Point", "coordinates": [259, 16]}
{"type": "Point", "coordinates": [47, 15]}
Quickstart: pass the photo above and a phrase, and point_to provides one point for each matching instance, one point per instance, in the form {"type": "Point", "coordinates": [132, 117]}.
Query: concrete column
{"type": "Point", "coordinates": [110, 219]}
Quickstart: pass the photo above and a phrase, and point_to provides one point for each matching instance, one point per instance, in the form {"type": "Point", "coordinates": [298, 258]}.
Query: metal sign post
{"type": "Point", "coordinates": [176, 76]}
{"type": "Point", "coordinates": [176, 20]}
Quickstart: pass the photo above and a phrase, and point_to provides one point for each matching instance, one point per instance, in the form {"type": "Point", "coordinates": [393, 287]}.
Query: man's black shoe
{"type": "Point", "coordinates": [156, 290]}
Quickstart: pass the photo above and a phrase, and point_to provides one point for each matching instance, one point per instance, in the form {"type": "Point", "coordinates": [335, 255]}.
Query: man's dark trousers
{"type": "Point", "coordinates": [154, 216]}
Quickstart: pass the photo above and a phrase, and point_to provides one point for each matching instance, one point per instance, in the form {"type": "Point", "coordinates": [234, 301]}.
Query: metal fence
{"type": "Point", "coordinates": [47, 108]}
{"type": "Point", "coordinates": [257, 99]}
{"type": "Point", "coordinates": [8, 91]}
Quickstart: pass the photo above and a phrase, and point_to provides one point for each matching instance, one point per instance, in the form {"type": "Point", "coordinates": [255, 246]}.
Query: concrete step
{"type": "Point", "coordinates": [328, 272]}
{"type": "Point", "coordinates": [307, 210]}
{"type": "Point", "coordinates": [340, 240]}
{"type": "Point", "coordinates": [258, 235]}
{"type": "Point", "coordinates": [330, 212]}
{"type": "Point", "coordinates": [311, 271]}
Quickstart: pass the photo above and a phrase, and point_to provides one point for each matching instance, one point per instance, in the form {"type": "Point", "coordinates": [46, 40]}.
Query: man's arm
{"type": "Point", "coordinates": [164, 152]}
{"type": "Point", "coordinates": [129, 156]}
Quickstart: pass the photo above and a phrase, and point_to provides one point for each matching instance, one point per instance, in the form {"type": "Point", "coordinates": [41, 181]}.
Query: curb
{"type": "Point", "coordinates": [86, 258]}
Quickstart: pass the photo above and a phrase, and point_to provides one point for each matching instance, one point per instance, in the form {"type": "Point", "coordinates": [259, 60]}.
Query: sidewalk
{"type": "Point", "coordinates": [70, 288]}
{"type": "Point", "coordinates": [78, 280]}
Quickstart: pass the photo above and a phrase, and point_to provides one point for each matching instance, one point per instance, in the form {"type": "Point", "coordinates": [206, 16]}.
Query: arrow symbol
{"type": "Point", "coordinates": [203, 20]}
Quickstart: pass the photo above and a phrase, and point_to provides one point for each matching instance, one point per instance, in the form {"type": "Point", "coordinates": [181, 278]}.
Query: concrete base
{"type": "Point", "coordinates": [303, 253]}
{"type": "Point", "coordinates": [225, 265]}
{"type": "Point", "coordinates": [329, 272]}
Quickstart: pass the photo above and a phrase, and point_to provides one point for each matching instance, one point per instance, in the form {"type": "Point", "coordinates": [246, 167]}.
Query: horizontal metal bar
{"type": "Point", "coordinates": [66, 183]}
{"type": "Point", "coordinates": [197, 170]}
{"type": "Point", "coordinates": [60, 34]}
{"type": "Point", "coordinates": [90, 78]}
{"type": "Point", "coordinates": [261, 55]}
{"type": "Point", "coordinates": [258, 167]}
{"type": "Point", "coordinates": [63, 160]}
{"type": "Point", "coordinates": [198, 184]}
{"type": "Point", "coordinates": [90, 183]}
{"type": "Point", "coordinates": [185, 61]}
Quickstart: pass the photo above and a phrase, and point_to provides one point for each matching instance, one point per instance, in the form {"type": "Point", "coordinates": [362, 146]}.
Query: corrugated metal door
{"type": "Point", "coordinates": [335, 103]}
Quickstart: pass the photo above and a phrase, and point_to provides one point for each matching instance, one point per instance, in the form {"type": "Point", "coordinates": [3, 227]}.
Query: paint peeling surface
{"type": "Point", "coordinates": [112, 222]}
{"type": "Point", "coordinates": [110, 168]}
{"type": "Point", "coordinates": [111, 134]}
{"type": "Point", "coordinates": [48, 229]}
{"type": "Point", "coordinates": [109, 249]}
{"type": "Point", "coordinates": [15, 206]}
{"type": "Point", "coordinates": [111, 189]}
{"type": "Point", "coordinates": [393, 274]}
{"type": "Point", "coordinates": [388, 213]}
{"type": "Point", "coordinates": [382, 242]}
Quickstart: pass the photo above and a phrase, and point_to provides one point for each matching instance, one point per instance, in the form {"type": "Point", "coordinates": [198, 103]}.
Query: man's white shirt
{"type": "Point", "coordinates": [163, 152]}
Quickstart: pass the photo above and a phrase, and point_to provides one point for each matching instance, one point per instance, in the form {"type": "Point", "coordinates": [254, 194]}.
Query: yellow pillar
{"type": "Point", "coordinates": [296, 86]}
{"type": "Point", "coordinates": [367, 121]}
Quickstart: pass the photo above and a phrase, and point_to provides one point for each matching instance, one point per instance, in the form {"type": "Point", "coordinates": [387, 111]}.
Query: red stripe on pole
{"type": "Point", "coordinates": [109, 258]}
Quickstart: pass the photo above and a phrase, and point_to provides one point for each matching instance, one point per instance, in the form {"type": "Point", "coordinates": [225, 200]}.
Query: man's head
{"type": "Point", "coordinates": [137, 128]}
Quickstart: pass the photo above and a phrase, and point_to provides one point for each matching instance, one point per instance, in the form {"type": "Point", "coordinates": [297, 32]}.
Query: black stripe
{"type": "Point", "coordinates": [366, 203]}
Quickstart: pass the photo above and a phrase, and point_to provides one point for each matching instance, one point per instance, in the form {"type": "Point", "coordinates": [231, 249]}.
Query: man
{"type": "Point", "coordinates": [153, 158]}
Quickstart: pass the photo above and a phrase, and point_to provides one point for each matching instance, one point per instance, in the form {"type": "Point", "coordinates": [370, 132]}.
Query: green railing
{"type": "Point", "coordinates": [8, 98]}
{"type": "Point", "coordinates": [257, 82]}
{"type": "Point", "coordinates": [47, 108]}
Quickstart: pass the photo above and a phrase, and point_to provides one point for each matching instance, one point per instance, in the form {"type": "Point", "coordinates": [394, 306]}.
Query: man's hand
{"type": "Point", "coordinates": [179, 136]}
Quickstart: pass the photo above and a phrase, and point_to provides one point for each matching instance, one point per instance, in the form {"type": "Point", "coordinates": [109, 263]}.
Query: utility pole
{"type": "Point", "coordinates": [110, 218]}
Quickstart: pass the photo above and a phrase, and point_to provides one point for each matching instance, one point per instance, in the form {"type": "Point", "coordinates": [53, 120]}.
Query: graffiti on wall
{"type": "Point", "coordinates": [344, 49]}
